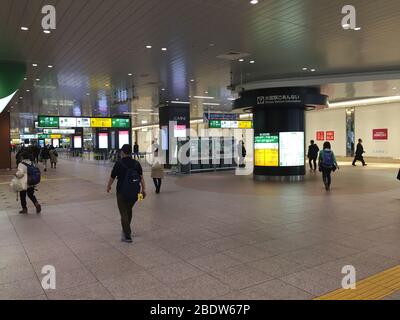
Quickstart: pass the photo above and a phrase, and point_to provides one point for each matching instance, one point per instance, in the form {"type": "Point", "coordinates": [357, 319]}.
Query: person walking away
{"type": "Point", "coordinates": [327, 163]}
{"type": "Point", "coordinates": [136, 151]}
{"type": "Point", "coordinates": [312, 155]}
{"type": "Point", "coordinates": [130, 183]}
{"type": "Point", "coordinates": [28, 176]}
{"type": "Point", "coordinates": [36, 151]}
{"type": "Point", "coordinates": [45, 156]}
{"type": "Point", "coordinates": [53, 157]}
{"type": "Point", "coordinates": [242, 154]}
{"type": "Point", "coordinates": [157, 173]}
{"type": "Point", "coordinates": [359, 154]}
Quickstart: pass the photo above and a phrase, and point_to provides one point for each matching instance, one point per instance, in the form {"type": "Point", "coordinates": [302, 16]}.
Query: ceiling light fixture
{"type": "Point", "coordinates": [304, 69]}
{"type": "Point", "coordinates": [47, 31]}
{"type": "Point", "coordinates": [364, 102]}
{"type": "Point", "coordinates": [357, 28]}
{"type": "Point", "coordinates": [37, 79]}
{"type": "Point", "coordinates": [24, 28]}
{"type": "Point", "coordinates": [25, 79]}
{"type": "Point", "coordinates": [191, 80]}
{"type": "Point", "coordinates": [254, 1]}
{"type": "Point", "coordinates": [180, 102]}
{"type": "Point", "coordinates": [313, 70]}
{"type": "Point", "coordinates": [252, 62]}
{"type": "Point", "coordinates": [130, 74]}
{"type": "Point", "coordinates": [163, 49]}
{"type": "Point", "coordinates": [34, 65]}
{"type": "Point", "coordinates": [203, 97]}
{"type": "Point", "coordinates": [211, 104]}
{"type": "Point", "coordinates": [145, 110]}
{"type": "Point", "coordinates": [149, 47]}
{"type": "Point", "coordinates": [50, 66]}
{"type": "Point", "coordinates": [241, 60]}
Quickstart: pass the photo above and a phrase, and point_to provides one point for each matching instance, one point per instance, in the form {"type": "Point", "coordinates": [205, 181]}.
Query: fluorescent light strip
{"type": "Point", "coordinates": [363, 102]}
{"type": "Point", "coordinates": [4, 101]}
{"type": "Point", "coordinates": [180, 102]}
{"type": "Point", "coordinates": [203, 97]}
{"type": "Point", "coordinates": [145, 110]}
{"type": "Point", "coordinates": [211, 104]}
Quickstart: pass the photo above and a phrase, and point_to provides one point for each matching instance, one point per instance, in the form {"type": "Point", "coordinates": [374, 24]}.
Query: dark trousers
{"type": "Point", "coordinates": [313, 161]}
{"type": "Point", "coordinates": [326, 176]}
{"type": "Point", "coordinates": [125, 210]}
{"type": "Point", "coordinates": [31, 195]}
{"type": "Point", "coordinates": [359, 158]}
{"type": "Point", "coordinates": [157, 184]}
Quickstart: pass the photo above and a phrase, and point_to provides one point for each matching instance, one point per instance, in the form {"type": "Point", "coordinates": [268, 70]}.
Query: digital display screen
{"type": "Point", "coordinates": [77, 142]}
{"type": "Point", "coordinates": [67, 122]}
{"type": "Point", "coordinates": [291, 149]}
{"type": "Point", "coordinates": [266, 150]}
{"type": "Point", "coordinates": [103, 140]}
{"type": "Point", "coordinates": [123, 138]}
{"type": "Point", "coordinates": [180, 131]}
{"type": "Point", "coordinates": [83, 122]}
{"type": "Point", "coordinates": [56, 143]}
{"type": "Point", "coordinates": [101, 122]}
{"type": "Point", "coordinates": [164, 138]}
{"type": "Point", "coordinates": [48, 122]}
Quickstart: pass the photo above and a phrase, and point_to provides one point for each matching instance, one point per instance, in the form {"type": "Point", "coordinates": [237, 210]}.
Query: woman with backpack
{"type": "Point", "coordinates": [327, 163]}
{"type": "Point", "coordinates": [26, 189]}
{"type": "Point", "coordinates": [157, 174]}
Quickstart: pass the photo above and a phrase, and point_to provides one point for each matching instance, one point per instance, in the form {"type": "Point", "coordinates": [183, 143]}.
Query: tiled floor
{"type": "Point", "coordinates": [206, 236]}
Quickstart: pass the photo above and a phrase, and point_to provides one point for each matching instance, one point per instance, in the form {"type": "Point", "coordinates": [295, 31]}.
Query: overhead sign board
{"type": "Point", "coordinates": [48, 122]}
{"type": "Point", "coordinates": [123, 123]}
{"type": "Point", "coordinates": [67, 122]}
{"type": "Point", "coordinates": [100, 122]}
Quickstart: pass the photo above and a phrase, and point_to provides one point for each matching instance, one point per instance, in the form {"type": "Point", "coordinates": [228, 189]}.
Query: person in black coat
{"type": "Point", "coordinates": [312, 155]}
{"type": "Point", "coordinates": [359, 154]}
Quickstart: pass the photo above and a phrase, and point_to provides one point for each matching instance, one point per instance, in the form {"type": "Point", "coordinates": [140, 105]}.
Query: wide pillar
{"type": "Point", "coordinates": [279, 129]}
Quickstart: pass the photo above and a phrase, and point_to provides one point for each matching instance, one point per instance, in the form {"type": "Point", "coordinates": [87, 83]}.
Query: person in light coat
{"type": "Point", "coordinates": [25, 189]}
{"type": "Point", "coordinates": [157, 173]}
{"type": "Point", "coordinates": [53, 157]}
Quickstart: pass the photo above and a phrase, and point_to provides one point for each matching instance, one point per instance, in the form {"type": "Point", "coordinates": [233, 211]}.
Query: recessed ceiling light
{"type": "Point", "coordinates": [163, 49]}
{"type": "Point", "coordinates": [191, 80]}
{"type": "Point", "coordinates": [149, 47]}
{"type": "Point", "coordinates": [28, 90]}
{"type": "Point", "coordinates": [20, 98]}
{"type": "Point", "coordinates": [24, 28]}
{"type": "Point", "coordinates": [37, 79]}
{"type": "Point", "coordinates": [304, 69]}
{"type": "Point", "coordinates": [394, 88]}
{"type": "Point", "coordinates": [241, 60]}
{"type": "Point", "coordinates": [203, 97]}
{"type": "Point", "coordinates": [88, 94]}
{"type": "Point", "coordinates": [254, 1]}
{"type": "Point", "coordinates": [50, 66]}
{"type": "Point", "coordinates": [313, 70]}
{"type": "Point", "coordinates": [252, 61]}
{"type": "Point", "coordinates": [206, 92]}
{"type": "Point", "coordinates": [163, 89]}
{"type": "Point", "coordinates": [46, 31]}
{"type": "Point", "coordinates": [34, 64]}
{"type": "Point", "coordinates": [130, 74]}
{"type": "Point", "coordinates": [25, 79]}
{"type": "Point", "coordinates": [357, 29]}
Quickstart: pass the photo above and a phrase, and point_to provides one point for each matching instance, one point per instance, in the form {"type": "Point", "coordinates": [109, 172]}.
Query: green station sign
{"type": "Point", "coordinates": [215, 124]}
{"type": "Point", "coordinates": [48, 122]}
{"type": "Point", "coordinates": [267, 138]}
{"type": "Point", "coordinates": [124, 123]}
{"type": "Point", "coordinates": [43, 136]}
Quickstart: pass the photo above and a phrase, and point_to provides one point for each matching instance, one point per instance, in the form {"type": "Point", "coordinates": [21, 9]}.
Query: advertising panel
{"type": "Point", "coordinates": [320, 135]}
{"type": "Point", "coordinates": [77, 142]}
{"type": "Point", "coordinates": [330, 135]}
{"type": "Point", "coordinates": [180, 131]}
{"type": "Point", "coordinates": [123, 138]}
{"type": "Point", "coordinates": [291, 149]}
{"type": "Point", "coordinates": [103, 140]}
{"type": "Point", "coordinates": [266, 147]}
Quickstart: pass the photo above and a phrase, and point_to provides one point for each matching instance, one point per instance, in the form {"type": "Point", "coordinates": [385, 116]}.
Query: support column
{"type": "Point", "coordinates": [5, 153]}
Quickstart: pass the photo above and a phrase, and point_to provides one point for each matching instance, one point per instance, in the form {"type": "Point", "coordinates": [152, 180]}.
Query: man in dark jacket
{"type": "Point", "coordinates": [359, 154]}
{"type": "Point", "coordinates": [313, 155]}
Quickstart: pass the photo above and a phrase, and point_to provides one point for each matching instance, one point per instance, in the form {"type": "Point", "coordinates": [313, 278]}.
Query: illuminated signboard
{"type": "Point", "coordinates": [230, 124]}
{"type": "Point", "coordinates": [180, 131]}
{"type": "Point", "coordinates": [103, 140]}
{"type": "Point", "coordinates": [48, 122]}
{"type": "Point", "coordinates": [266, 150]}
{"type": "Point", "coordinates": [100, 122]}
{"type": "Point", "coordinates": [121, 123]}
{"type": "Point", "coordinates": [55, 136]}
{"type": "Point", "coordinates": [59, 131]}
{"type": "Point", "coordinates": [83, 122]}
{"type": "Point", "coordinates": [123, 138]}
{"type": "Point", "coordinates": [67, 122]}
{"type": "Point", "coordinates": [291, 149]}
{"type": "Point", "coordinates": [77, 142]}
{"type": "Point", "coordinates": [43, 136]}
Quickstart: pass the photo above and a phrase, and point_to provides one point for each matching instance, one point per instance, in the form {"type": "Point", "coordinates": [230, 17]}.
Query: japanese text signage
{"type": "Point", "coordinates": [380, 134]}
{"type": "Point", "coordinates": [330, 135]}
{"type": "Point", "coordinates": [121, 123]}
{"type": "Point", "coordinates": [48, 122]}
{"type": "Point", "coordinates": [277, 99]}
{"type": "Point", "coordinates": [320, 135]}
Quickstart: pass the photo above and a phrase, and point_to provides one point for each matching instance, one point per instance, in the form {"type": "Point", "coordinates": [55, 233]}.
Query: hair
{"type": "Point", "coordinates": [359, 140]}
{"type": "Point", "coordinates": [312, 141]}
{"type": "Point", "coordinates": [327, 145]}
{"type": "Point", "coordinates": [127, 149]}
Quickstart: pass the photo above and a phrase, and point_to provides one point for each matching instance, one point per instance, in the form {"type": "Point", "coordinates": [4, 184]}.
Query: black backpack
{"type": "Point", "coordinates": [34, 175]}
{"type": "Point", "coordinates": [131, 186]}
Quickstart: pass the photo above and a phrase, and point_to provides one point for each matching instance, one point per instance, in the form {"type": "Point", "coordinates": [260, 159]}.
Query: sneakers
{"type": "Point", "coordinates": [126, 239]}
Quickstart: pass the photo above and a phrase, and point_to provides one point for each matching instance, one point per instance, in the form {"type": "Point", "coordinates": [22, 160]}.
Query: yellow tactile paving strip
{"type": "Point", "coordinates": [375, 287]}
